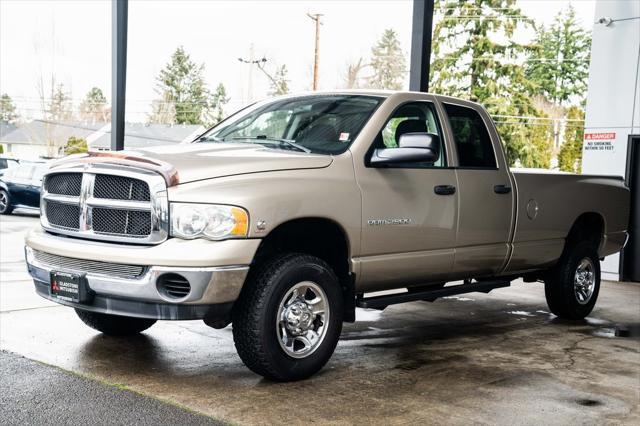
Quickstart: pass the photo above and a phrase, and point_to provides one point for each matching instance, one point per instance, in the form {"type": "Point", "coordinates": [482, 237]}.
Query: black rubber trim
{"type": "Point", "coordinates": [138, 309]}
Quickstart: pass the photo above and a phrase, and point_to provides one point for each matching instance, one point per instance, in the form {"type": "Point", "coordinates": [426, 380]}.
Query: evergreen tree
{"type": "Point", "coordinates": [7, 108]}
{"type": "Point", "coordinates": [570, 157]}
{"type": "Point", "coordinates": [475, 56]}
{"type": "Point", "coordinates": [388, 63]}
{"type": "Point", "coordinates": [94, 106]}
{"type": "Point", "coordinates": [471, 58]}
{"type": "Point", "coordinates": [181, 87]}
{"type": "Point", "coordinates": [75, 146]}
{"type": "Point", "coordinates": [559, 64]}
{"type": "Point", "coordinates": [216, 105]}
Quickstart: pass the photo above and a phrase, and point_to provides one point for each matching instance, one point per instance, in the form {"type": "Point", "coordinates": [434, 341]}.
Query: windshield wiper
{"type": "Point", "coordinates": [281, 141]}
{"type": "Point", "coordinates": [208, 139]}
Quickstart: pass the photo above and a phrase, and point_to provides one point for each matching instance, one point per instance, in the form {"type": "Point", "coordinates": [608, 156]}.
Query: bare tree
{"type": "Point", "coordinates": [352, 78]}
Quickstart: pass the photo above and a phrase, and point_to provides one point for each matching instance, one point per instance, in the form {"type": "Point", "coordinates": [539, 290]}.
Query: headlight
{"type": "Point", "coordinates": [215, 222]}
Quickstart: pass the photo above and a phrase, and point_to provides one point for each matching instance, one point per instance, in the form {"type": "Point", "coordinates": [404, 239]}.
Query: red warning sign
{"type": "Point", "coordinates": [608, 136]}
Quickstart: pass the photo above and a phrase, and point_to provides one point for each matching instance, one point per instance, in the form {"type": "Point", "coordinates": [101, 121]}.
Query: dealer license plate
{"type": "Point", "coordinates": [69, 287]}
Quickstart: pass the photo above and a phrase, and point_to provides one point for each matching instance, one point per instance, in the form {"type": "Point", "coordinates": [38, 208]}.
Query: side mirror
{"type": "Point", "coordinates": [412, 148]}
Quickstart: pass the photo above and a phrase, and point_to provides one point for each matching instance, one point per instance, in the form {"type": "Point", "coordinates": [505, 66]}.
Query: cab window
{"type": "Point", "coordinates": [471, 137]}
{"type": "Point", "coordinates": [414, 117]}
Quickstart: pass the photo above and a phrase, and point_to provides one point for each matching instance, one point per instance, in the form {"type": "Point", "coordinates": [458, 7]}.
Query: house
{"type": "Point", "coordinates": [43, 138]}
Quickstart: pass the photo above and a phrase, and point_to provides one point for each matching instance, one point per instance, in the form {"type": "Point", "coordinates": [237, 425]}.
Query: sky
{"type": "Point", "coordinates": [71, 40]}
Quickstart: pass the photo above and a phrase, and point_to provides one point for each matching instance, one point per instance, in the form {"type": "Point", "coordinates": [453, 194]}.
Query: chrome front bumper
{"type": "Point", "coordinates": [140, 296]}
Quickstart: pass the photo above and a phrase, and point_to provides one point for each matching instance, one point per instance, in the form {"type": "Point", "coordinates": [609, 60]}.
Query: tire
{"type": "Point", "coordinates": [569, 294]}
{"type": "Point", "coordinates": [268, 344]}
{"type": "Point", "coordinates": [114, 325]}
{"type": "Point", "coordinates": [5, 202]}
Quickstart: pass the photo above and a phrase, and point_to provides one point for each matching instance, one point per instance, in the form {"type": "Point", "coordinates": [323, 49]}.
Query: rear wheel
{"type": "Point", "coordinates": [5, 202]}
{"type": "Point", "coordinates": [288, 319]}
{"type": "Point", "coordinates": [572, 286]}
{"type": "Point", "coordinates": [114, 325]}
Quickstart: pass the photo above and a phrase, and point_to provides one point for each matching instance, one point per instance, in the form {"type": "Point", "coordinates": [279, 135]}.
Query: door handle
{"type": "Point", "coordinates": [444, 189]}
{"type": "Point", "coordinates": [502, 189]}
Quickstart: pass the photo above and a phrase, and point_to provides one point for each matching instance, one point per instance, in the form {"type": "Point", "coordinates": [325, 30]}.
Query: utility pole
{"type": "Point", "coordinates": [251, 62]}
{"type": "Point", "coordinates": [316, 17]}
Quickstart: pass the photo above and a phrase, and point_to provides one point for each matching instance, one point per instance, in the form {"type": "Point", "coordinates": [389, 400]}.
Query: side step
{"type": "Point", "coordinates": [381, 302]}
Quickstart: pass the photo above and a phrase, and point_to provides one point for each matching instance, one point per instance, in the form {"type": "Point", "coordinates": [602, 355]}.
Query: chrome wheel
{"type": "Point", "coordinates": [584, 281]}
{"type": "Point", "coordinates": [4, 201]}
{"type": "Point", "coordinates": [302, 319]}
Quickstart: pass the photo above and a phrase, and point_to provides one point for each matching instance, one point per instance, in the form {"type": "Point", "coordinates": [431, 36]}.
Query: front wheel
{"type": "Point", "coordinates": [572, 286]}
{"type": "Point", "coordinates": [5, 202]}
{"type": "Point", "coordinates": [288, 319]}
{"type": "Point", "coordinates": [114, 325]}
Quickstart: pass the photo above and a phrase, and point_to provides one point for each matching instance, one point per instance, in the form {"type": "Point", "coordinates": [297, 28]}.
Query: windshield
{"type": "Point", "coordinates": [325, 124]}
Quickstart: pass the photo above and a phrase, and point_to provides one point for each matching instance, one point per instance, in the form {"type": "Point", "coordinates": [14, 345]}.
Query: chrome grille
{"type": "Point", "coordinates": [64, 183]}
{"type": "Point", "coordinates": [63, 215]}
{"type": "Point", "coordinates": [55, 262]}
{"type": "Point", "coordinates": [113, 203]}
{"type": "Point", "coordinates": [125, 222]}
{"type": "Point", "coordinates": [120, 188]}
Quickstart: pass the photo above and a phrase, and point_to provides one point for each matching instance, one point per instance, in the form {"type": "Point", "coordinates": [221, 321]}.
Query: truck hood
{"type": "Point", "coordinates": [199, 161]}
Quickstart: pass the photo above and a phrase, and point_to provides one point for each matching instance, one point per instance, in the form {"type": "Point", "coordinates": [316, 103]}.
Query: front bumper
{"type": "Point", "coordinates": [213, 289]}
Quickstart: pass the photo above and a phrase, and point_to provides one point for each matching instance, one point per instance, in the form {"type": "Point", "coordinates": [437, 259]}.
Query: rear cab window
{"type": "Point", "coordinates": [471, 138]}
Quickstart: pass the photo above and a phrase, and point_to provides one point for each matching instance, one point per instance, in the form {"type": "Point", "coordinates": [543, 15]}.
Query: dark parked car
{"type": "Point", "coordinates": [20, 186]}
{"type": "Point", "coordinates": [7, 163]}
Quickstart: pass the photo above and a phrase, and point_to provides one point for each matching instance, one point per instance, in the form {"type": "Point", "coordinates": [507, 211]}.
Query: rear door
{"type": "Point", "coordinates": [486, 194]}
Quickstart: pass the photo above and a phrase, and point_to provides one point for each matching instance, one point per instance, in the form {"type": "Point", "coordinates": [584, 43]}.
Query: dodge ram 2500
{"type": "Point", "coordinates": [286, 216]}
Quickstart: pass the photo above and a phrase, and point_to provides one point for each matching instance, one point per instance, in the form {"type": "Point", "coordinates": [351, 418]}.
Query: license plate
{"type": "Point", "coordinates": [69, 287]}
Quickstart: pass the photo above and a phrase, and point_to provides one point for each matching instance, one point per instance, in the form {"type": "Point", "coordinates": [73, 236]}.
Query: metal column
{"type": "Point", "coordinates": [119, 17]}
{"type": "Point", "coordinates": [421, 45]}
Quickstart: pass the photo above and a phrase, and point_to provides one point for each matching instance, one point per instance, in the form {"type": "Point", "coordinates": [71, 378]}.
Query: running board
{"type": "Point", "coordinates": [381, 302]}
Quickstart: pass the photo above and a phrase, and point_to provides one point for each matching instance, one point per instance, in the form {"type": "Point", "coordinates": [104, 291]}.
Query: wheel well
{"type": "Point", "coordinates": [587, 227]}
{"type": "Point", "coordinates": [318, 237]}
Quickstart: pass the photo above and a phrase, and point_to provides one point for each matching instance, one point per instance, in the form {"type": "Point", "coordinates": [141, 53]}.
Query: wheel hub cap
{"type": "Point", "coordinates": [302, 319]}
{"type": "Point", "coordinates": [584, 281]}
{"type": "Point", "coordinates": [299, 317]}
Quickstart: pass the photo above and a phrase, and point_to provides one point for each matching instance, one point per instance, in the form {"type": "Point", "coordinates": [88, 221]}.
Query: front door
{"type": "Point", "coordinates": [486, 195]}
{"type": "Point", "coordinates": [409, 225]}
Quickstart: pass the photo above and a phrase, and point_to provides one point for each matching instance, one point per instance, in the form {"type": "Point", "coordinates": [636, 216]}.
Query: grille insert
{"type": "Point", "coordinates": [123, 222]}
{"type": "Point", "coordinates": [120, 188]}
{"type": "Point", "coordinates": [64, 184]}
{"type": "Point", "coordinates": [63, 215]}
{"type": "Point", "coordinates": [54, 261]}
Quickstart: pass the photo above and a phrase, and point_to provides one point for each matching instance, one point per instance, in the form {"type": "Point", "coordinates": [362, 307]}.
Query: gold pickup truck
{"type": "Point", "coordinates": [286, 216]}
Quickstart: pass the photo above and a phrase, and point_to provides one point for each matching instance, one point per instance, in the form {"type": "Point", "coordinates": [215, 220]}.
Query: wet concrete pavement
{"type": "Point", "coordinates": [497, 358]}
{"type": "Point", "coordinates": [37, 394]}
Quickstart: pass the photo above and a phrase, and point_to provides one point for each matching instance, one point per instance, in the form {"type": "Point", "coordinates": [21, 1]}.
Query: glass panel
{"type": "Point", "coordinates": [319, 124]}
{"type": "Point", "coordinates": [410, 118]}
{"type": "Point", "coordinates": [471, 137]}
